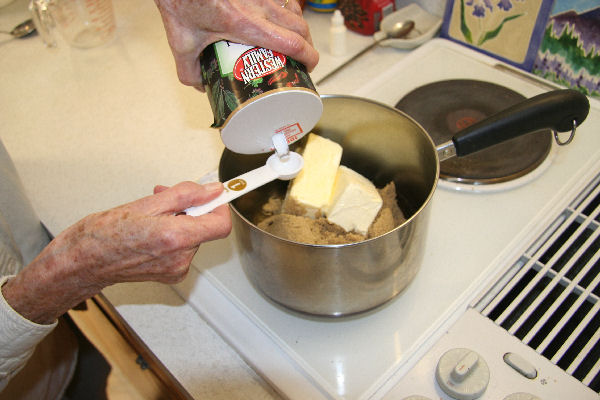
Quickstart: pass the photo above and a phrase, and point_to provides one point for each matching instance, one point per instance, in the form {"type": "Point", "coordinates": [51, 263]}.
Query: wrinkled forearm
{"type": "Point", "coordinates": [140, 241]}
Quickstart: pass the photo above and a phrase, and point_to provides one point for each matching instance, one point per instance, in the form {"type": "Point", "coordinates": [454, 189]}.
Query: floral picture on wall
{"type": "Point", "coordinates": [510, 30]}
{"type": "Point", "coordinates": [570, 50]}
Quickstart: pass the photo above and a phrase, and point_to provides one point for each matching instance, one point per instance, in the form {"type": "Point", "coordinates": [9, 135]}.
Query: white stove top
{"type": "Point", "coordinates": [471, 237]}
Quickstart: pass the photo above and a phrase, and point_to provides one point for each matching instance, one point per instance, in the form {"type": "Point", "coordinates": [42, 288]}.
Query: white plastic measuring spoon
{"type": "Point", "coordinates": [283, 164]}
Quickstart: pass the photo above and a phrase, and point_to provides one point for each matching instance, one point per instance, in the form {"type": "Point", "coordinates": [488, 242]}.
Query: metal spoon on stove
{"type": "Point", "coordinates": [22, 30]}
{"type": "Point", "coordinates": [398, 31]}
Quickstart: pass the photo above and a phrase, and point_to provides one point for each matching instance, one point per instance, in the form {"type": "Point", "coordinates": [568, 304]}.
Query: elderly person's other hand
{"type": "Point", "coordinates": [141, 241]}
{"type": "Point", "coordinates": [191, 25]}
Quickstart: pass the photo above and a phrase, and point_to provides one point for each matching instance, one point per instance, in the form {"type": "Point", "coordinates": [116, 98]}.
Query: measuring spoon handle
{"type": "Point", "coordinates": [235, 188]}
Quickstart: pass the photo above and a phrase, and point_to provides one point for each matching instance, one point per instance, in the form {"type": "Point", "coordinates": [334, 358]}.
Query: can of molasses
{"type": "Point", "coordinates": [256, 93]}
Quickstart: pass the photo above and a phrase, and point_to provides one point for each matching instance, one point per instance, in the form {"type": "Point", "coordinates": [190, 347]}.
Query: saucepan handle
{"type": "Point", "coordinates": [558, 110]}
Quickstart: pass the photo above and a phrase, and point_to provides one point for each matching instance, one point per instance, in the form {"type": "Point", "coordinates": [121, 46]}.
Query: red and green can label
{"type": "Point", "coordinates": [234, 74]}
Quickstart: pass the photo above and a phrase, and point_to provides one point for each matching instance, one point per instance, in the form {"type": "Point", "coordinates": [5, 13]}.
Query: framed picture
{"type": "Point", "coordinates": [570, 50]}
{"type": "Point", "coordinates": [510, 30]}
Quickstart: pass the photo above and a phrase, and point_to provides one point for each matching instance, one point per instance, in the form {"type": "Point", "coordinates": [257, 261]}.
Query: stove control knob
{"type": "Point", "coordinates": [462, 374]}
{"type": "Point", "coordinates": [521, 396]}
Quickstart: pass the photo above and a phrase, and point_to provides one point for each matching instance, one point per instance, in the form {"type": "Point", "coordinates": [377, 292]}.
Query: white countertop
{"type": "Point", "coordinates": [92, 129]}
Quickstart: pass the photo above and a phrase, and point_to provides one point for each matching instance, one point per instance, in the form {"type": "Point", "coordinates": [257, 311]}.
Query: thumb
{"type": "Point", "coordinates": [177, 198]}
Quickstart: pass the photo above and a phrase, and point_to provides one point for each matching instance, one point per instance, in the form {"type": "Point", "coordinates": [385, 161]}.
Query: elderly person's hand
{"type": "Point", "coordinates": [140, 241]}
{"type": "Point", "coordinates": [191, 25]}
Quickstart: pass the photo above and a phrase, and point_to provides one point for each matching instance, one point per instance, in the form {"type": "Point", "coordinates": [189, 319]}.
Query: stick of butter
{"type": "Point", "coordinates": [355, 201]}
{"type": "Point", "coordinates": [311, 190]}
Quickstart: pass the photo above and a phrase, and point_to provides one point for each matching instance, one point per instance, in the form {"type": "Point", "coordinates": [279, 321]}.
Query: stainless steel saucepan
{"type": "Point", "coordinates": [383, 144]}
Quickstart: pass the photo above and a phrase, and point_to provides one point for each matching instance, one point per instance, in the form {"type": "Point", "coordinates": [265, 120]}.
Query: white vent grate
{"type": "Point", "coordinates": [549, 298]}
